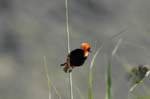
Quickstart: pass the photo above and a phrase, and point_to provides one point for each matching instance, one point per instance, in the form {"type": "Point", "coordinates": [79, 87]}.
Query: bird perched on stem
{"type": "Point", "coordinates": [76, 57]}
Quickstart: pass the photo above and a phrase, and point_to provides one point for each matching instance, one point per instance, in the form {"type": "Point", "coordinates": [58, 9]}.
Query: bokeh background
{"type": "Point", "coordinates": [31, 29]}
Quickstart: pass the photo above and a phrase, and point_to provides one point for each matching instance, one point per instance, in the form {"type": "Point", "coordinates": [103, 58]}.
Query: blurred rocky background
{"type": "Point", "coordinates": [31, 29]}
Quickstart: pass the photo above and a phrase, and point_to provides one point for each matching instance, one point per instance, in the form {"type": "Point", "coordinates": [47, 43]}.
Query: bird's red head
{"type": "Point", "coordinates": [86, 47]}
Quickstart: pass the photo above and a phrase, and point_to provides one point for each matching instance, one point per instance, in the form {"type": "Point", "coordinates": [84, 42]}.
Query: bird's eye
{"type": "Point", "coordinates": [89, 50]}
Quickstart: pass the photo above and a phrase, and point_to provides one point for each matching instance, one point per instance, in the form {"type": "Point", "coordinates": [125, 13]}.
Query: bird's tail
{"type": "Point", "coordinates": [63, 64]}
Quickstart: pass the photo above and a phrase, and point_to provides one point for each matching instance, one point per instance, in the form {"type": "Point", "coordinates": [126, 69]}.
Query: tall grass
{"type": "Point", "coordinates": [68, 43]}
{"type": "Point", "coordinates": [142, 97]}
{"type": "Point", "coordinates": [47, 76]}
{"type": "Point", "coordinates": [92, 61]}
{"type": "Point", "coordinates": [91, 74]}
{"type": "Point", "coordinates": [80, 93]}
{"type": "Point", "coordinates": [109, 72]}
{"type": "Point", "coordinates": [141, 82]}
{"type": "Point", "coordinates": [108, 81]}
{"type": "Point", "coordinates": [49, 81]}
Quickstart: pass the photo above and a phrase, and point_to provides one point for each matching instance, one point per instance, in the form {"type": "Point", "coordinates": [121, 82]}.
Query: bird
{"type": "Point", "coordinates": [77, 57]}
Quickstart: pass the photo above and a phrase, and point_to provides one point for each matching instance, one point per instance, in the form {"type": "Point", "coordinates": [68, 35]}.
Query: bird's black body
{"type": "Point", "coordinates": [77, 57]}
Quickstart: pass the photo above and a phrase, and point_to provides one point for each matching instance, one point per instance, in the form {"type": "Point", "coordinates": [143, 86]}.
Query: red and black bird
{"type": "Point", "coordinates": [77, 57]}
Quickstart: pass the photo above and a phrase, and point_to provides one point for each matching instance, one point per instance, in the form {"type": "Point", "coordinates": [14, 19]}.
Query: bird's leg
{"type": "Point", "coordinates": [71, 68]}
{"type": "Point", "coordinates": [67, 66]}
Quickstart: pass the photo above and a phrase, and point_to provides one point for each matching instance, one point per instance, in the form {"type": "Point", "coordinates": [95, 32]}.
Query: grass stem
{"type": "Point", "coordinates": [68, 43]}
{"type": "Point", "coordinates": [91, 74]}
{"type": "Point", "coordinates": [47, 76]}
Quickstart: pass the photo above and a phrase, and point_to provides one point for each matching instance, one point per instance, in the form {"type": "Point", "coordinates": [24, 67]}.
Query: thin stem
{"type": "Point", "coordinates": [80, 93]}
{"type": "Point", "coordinates": [109, 81]}
{"type": "Point", "coordinates": [68, 43]}
{"type": "Point", "coordinates": [116, 47]}
{"type": "Point", "coordinates": [47, 76]}
{"type": "Point", "coordinates": [55, 89]}
{"type": "Point", "coordinates": [91, 74]}
{"type": "Point", "coordinates": [71, 87]}
{"type": "Point", "coordinates": [67, 26]}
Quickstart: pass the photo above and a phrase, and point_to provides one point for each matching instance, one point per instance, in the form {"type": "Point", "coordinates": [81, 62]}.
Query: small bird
{"type": "Point", "coordinates": [77, 57]}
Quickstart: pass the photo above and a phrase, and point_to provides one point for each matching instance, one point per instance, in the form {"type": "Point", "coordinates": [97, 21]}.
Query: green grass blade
{"type": "Point", "coordinates": [109, 73]}
{"type": "Point", "coordinates": [90, 84]}
{"type": "Point", "coordinates": [47, 76]}
{"type": "Point", "coordinates": [79, 92]}
{"type": "Point", "coordinates": [91, 74]}
{"type": "Point", "coordinates": [143, 97]}
{"type": "Point", "coordinates": [108, 81]}
{"type": "Point", "coordinates": [55, 89]}
{"type": "Point", "coordinates": [116, 47]}
{"type": "Point", "coordinates": [141, 82]}
{"type": "Point", "coordinates": [71, 85]}
{"type": "Point", "coordinates": [68, 43]}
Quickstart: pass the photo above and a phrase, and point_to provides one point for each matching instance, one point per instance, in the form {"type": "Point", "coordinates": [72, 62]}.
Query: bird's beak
{"type": "Point", "coordinates": [89, 50]}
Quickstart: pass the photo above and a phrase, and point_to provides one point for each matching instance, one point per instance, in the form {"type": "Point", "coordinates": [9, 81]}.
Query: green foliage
{"type": "Point", "coordinates": [108, 81]}
{"type": "Point", "coordinates": [91, 74]}
{"type": "Point", "coordinates": [47, 76]}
